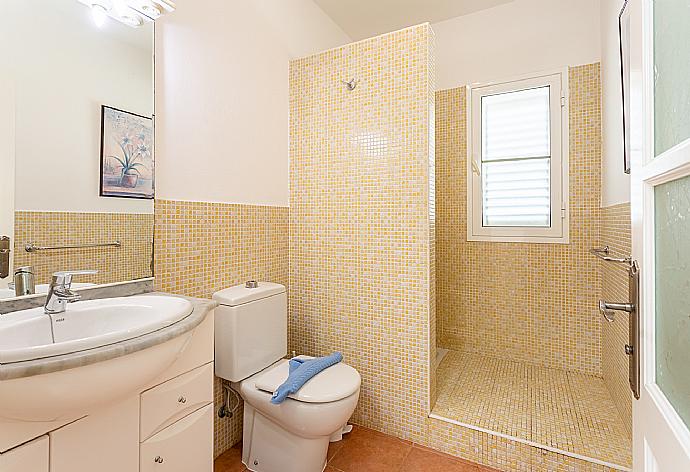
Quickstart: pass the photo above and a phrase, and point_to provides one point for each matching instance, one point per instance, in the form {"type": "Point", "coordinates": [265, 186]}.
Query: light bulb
{"type": "Point", "coordinates": [131, 20]}
{"type": "Point", "coordinates": [151, 10]}
{"type": "Point", "coordinates": [99, 14]}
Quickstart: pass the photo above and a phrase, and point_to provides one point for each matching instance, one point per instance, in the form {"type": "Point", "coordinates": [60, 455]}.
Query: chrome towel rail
{"type": "Point", "coordinates": [32, 247]}
{"type": "Point", "coordinates": [605, 254]}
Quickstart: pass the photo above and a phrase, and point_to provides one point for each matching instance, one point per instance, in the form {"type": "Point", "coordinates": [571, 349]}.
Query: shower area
{"type": "Point", "coordinates": [523, 353]}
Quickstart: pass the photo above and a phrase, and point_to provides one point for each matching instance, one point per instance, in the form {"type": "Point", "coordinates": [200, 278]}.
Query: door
{"type": "Point", "coordinates": [6, 176]}
{"type": "Point", "coordinates": [660, 199]}
{"type": "Point", "coordinates": [107, 441]}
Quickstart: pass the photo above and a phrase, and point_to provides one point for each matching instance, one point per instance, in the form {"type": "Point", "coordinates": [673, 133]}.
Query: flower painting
{"type": "Point", "coordinates": [126, 154]}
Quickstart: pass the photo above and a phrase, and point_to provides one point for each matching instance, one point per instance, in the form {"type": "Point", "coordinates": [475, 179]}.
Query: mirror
{"type": "Point", "coordinates": [76, 145]}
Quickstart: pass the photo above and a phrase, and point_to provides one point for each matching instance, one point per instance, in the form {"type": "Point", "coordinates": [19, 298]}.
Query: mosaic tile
{"type": "Point", "coordinates": [46, 228]}
{"type": "Point", "coordinates": [528, 302]}
{"type": "Point", "coordinates": [361, 220]}
{"type": "Point", "coordinates": [616, 233]}
{"type": "Point", "coordinates": [568, 411]}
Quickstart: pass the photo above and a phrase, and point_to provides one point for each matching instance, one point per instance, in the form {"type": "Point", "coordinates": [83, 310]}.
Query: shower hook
{"type": "Point", "coordinates": [352, 84]}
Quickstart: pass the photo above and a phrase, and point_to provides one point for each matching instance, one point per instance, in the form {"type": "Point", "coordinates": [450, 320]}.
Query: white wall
{"type": "Point", "coordinates": [63, 69]}
{"type": "Point", "coordinates": [304, 28]}
{"type": "Point", "coordinates": [615, 183]}
{"type": "Point", "coordinates": [222, 96]}
{"type": "Point", "coordinates": [516, 38]}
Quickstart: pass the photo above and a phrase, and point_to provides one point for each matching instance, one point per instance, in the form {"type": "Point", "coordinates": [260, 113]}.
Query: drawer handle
{"type": "Point", "coordinates": [182, 399]}
{"type": "Point", "coordinates": [158, 460]}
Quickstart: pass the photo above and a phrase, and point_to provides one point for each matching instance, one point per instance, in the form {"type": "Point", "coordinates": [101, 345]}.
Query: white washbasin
{"type": "Point", "coordinates": [93, 354]}
{"type": "Point", "coordinates": [42, 288]}
{"type": "Point", "coordinates": [31, 334]}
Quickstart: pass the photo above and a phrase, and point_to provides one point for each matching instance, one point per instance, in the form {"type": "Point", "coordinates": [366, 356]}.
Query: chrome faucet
{"type": "Point", "coordinates": [60, 292]}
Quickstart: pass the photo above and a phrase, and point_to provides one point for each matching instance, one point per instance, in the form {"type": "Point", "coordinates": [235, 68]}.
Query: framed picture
{"type": "Point", "coordinates": [624, 44]}
{"type": "Point", "coordinates": [126, 154]}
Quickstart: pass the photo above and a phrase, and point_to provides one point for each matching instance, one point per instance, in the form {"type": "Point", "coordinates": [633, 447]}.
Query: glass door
{"type": "Point", "coordinates": [660, 197]}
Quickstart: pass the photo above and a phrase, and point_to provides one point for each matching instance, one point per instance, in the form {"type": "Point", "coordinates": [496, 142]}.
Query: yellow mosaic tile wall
{"type": "Point", "coordinates": [361, 219]}
{"type": "Point", "coordinates": [129, 262]}
{"type": "Point", "coordinates": [616, 233]}
{"type": "Point", "coordinates": [201, 248]}
{"type": "Point", "coordinates": [530, 302]}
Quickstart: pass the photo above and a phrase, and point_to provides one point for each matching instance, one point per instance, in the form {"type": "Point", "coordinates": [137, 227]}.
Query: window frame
{"type": "Point", "coordinates": [558, 232]}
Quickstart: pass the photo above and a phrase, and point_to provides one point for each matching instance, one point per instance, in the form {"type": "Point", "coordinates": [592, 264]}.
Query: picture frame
{"type": "Point", "coordinates": [126, 157]}
{"type": "Point", "coordinates": [624, 50]}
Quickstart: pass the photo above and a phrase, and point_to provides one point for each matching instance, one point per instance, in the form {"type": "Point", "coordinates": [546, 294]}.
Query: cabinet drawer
{"type": "Point", "coordinates": [184, 446]}
{"type": "Point", "coordinates": [168, 402]}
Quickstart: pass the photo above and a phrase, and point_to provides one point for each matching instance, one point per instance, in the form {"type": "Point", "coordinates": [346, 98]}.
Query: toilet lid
{"type": "Point", "coordinates": [334, 383]}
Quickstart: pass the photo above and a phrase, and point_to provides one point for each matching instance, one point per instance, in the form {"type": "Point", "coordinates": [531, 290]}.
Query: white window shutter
{"type": "Point", "coordinates": [516, 158]}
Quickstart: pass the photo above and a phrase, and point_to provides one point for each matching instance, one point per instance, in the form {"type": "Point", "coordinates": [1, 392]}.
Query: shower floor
{"type": "Point", "coordinates": [558, 410]}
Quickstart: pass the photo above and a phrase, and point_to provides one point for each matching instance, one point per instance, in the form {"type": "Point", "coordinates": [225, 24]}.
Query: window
{"type": "Point", "coordinates": [517, 161]}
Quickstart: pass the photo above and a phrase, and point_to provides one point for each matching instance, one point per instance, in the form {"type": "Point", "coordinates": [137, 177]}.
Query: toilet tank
{"type": "Point", "coordinates": [250, 329]}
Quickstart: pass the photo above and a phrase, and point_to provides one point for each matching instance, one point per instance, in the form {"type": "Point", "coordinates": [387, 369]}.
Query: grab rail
{"type": "Point", "coordinates": [32, 247]}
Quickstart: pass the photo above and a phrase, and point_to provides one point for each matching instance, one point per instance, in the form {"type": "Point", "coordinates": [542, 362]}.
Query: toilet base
{"type": "Point", "coordinates": [338, 435]}
{"type": "Point", "coordinates": [267, 447]}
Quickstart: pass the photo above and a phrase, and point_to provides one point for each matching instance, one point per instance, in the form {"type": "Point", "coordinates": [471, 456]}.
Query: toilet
{"type": "Point", "coordinates": [250, 346]}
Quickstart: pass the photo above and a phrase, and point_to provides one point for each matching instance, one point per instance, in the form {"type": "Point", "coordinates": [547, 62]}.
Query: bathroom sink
{"type": "Point", "coordinates": [31, 334]}
{"type": "Point", "coordinates": [67, 364]}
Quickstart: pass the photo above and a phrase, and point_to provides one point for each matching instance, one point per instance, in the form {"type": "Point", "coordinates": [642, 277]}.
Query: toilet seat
{"type": "Point", "coordinates": [332, 384]}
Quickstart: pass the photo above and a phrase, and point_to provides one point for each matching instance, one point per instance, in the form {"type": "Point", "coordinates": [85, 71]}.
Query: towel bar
{"type": "Point", "coordinates": [605, 254]}
{"type": "Point", "coordinates": [32, 247]}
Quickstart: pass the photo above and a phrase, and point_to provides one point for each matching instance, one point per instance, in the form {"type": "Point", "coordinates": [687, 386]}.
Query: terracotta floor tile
{"type": "Point", "coordinates": [366, 450]}
{"type": "Point", "coordinates": [427, 460]}
{"type": "Point", "coordinates": [230, 460]}
{"type": "Point", "coordinates": [333, 448]}
{"type": "Point", "coordinates": [370, 451]}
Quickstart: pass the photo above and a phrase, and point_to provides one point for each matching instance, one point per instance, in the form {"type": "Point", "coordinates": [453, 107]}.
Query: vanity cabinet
{"type": "Point", "coordinates": [166, 426]}
{"type": "Point", "coordinates": [30, 457]}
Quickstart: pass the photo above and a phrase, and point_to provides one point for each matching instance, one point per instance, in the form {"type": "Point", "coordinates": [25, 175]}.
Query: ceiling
{"type": "Point", "coordinates": [362, 19]}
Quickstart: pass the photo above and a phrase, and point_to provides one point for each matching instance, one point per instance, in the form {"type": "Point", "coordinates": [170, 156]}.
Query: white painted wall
{"type": "Point", "coordinates": [222, 96]}
{"type": "Point", "coordinates": [516, 38]}
{"type": "Point", "coordinates": [615, 183]}
{"type": "Point", "coordinates": [304, 28]}
{"type": "Point", "coordinates": [63, 69]}
{"type": "Point", "coordinates": [525, 36]}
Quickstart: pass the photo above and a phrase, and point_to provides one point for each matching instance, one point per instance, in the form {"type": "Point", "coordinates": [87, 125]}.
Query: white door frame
{"type": "Point", "coordinates": [661, 441]}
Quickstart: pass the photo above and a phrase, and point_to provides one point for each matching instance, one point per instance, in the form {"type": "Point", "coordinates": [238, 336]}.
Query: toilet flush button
{"type": "Point", "coordinates": [251, 284]}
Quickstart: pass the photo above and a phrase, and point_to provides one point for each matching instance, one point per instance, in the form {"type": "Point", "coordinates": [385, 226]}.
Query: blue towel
{"type": "Point", "coordinates": [301, 371]}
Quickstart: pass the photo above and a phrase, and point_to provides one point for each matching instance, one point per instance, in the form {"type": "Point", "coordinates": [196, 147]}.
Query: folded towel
{"type": "Point", "coordinates": [301, 371]}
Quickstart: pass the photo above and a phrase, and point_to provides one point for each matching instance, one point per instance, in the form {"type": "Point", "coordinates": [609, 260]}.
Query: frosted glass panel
{"type": "Point", "coordinates": [672, 227]}
{"type": "Point", "coordinates": [671, 72]}
{"type": "Point", "coordinates": [516, 124]}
